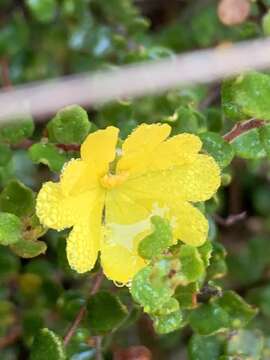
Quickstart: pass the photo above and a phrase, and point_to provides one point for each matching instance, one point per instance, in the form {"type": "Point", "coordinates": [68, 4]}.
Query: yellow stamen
{"type": "Point", "coordinates": [110, 181]}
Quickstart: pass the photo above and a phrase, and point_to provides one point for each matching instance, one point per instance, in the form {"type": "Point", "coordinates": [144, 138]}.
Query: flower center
{"type": "Point", "coordinates": [110, 181]}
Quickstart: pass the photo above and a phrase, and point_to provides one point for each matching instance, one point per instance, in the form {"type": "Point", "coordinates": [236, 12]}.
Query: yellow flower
{"type": "Point", "coordinates": [109, 195]}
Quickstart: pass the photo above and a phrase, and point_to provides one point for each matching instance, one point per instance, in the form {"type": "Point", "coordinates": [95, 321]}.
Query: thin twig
{"type": "Point", "coordinates": [243, 127]}
{"type": "Point", "coordinates": [231, 219]}
{"type": "Point", "coordinates": [7, 84]}
{"type": "Point", "coordinates": [11, 338]}
{"type": "Point", "coordinates": [99, 348]}
{"type": "Point", "coordinates": [71, 331]}
{"type": "Point", "coordinates": [26, 144]}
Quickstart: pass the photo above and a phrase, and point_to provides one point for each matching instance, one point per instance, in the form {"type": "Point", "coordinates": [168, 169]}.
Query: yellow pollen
{"type": "Point", "coordinates": [110, 181]}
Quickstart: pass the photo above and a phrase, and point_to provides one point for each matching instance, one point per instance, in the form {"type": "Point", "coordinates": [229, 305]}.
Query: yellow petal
{"type": "Point", "coordinates": [99, 148]}
{"type": "Point", "coordinates": [84, 240]}
{"type": "Point", "coordinates": [191, 226]}
{"type": "Point", "coordinates": [50, 209]}
{"type": "Point", "coordinates": [127, 222]}
{"type": "Point", "coordinates": [195, 181]}
{"type": "Point", "coordinates": [176, 151]}
{"type": "Point", "coordinates": [139, 146]}
{"type": "Point", "coordinates": [146, 136]}
{"type": "Point", "coordinates": [58, 211]}
{"type": "Point", "coordinates": [78, 176]}
{"type": "Point", "coordinates": [120, 264]}
{"type": "Point", "coordinates": [121, 209]}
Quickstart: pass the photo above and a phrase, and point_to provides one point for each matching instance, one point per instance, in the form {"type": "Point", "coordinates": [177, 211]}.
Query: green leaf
{"type": "Point", "coordinates": [184, 119]}
{"type": "Point", "coordinates": [105, 312]}
{"type": "Point", "coordinates": [17, 130]}
{"type": "Point", "coordinates": [239, 311]}
{"type": "Point", "coordinates": [69, 126]}
{"type": "Point", "coordinates": [209, 319]}
{"type": "Point", "coordinates": [246, 343]}
{"type": "Point", "coordinates": [151, 287]}
{"type": "Point", "coordinates": [158, 241]}
{"type": "Point", "coordinates": [167, 323]}
{"type": "Point", "coordinates": [247, 97]}
{"type": "Point", "coordinates": [214, 119]}
{"type": "Point", "coordinates": [260, 296]}
{"type": "Point", "coordinates": [47, 345]}
{"type": "Point", "coordinates": [70, 303]}
{"type": "Point", "coordinates": [192, 266]}
{"type": "Point", "coordinates": [204, 348]}
{"type": "Point", "coordinates": [256, 253]}
{"type": "Point", "coordinates": [249, 145]}
{"type": "Point", "coordinates": [172, 305]}
{"type": "Point", "coordinates": [206, 252]}
{"type": "Point", "coordinates": [42, 10]}
{"type": "Point", "coordinates": [217, 147]}
{"type": "Point", "coordinates": [5, 154]}
{"type": "Point", "coordinates": [231, 109]}
{"type": "Point", "coordinates": [10, 229]}
{"type": "Point", "coordinates": [225, 312]}
{"type": "Point", "coordinates": [48, 154]}
{"type": "Point", "coordinates": [186, 295]}
{"type": "Point", "coordinates": [266, 23]}
{"type": "Point", "coordinates": [29, 249]}
{"type": "Point", "coordinates": [264, 134]}
{"type": "Point", "coordinates": [218, 266]}
{"type": "Point", "coordinates": [9, 263]}
{"type": "Point", "coordinates": [18, 199]}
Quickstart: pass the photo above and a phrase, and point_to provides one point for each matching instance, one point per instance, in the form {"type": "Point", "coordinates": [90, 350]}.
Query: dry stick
{"type": "Point", "coordinates": [71, 331]}
{"type": "Point", "coordinates": [152, 77]}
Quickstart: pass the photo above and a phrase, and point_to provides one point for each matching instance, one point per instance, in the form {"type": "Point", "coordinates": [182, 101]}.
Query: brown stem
{"type": "Point", "coordinates": [243, 127]}
{"type": "Point", "coordinates": [7, 84]}
{"type": "Point", "coordinates": [11, 338]}
{"type": "Point", "coordinates": [231, 219]}
{"type": "Point", "coordinates": [98, 348]}
{"type": "Point", "coordinates": [71, 331]}
{"type": "Point", "coordinates": [26, 144]}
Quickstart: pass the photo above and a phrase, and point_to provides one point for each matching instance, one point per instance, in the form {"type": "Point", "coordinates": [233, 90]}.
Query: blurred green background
{"type": "Point", "coordinates": [42, 39]}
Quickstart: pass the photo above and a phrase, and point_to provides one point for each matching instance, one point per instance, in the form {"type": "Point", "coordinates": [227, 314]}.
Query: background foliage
{"type": "Point", "coordinates": [210, 303]}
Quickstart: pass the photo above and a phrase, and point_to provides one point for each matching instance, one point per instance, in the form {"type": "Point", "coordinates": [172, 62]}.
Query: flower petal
{"type": "Point", "coordinates": [84, 240]}
{"type": "Point", "coordinates": [191, 226]}
{"type": "Point", "coordinates": [78, 176]}
{"type": "Point", "coordinates": [50, 209]}
{"type": "Point", "coordinates": [177, 150]}
{"type": "Point", "coordinates": [127, 222]}
{"type": "Point", "coordinates": [139, 146]}
{"type": "Point", "coordinates": [120, 264]}
{"type": "Point", "coordinates": [195, 181]}
{"type": "Point", "coordinates": [99, 148]}
{"type": "Point", "coordinates": [121, 209]}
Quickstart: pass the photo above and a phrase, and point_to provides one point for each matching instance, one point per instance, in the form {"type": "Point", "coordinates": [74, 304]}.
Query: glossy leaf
{"type": "Point", "coordinates": [10, 229]}
{"type": "Point", "coordinates": [158, 241]}
{"type": "Point", "coordinates": [28, 249]}
{"type": "Point", "coordinates": [217, 147]}
{"type": "Point", "coordinates": [246, 96]}
{"type": "Point", "coordinates": [69, 126]}
{"type": "Point", "coordinates": [105, 312]}
{"type": "Point", "coordinates": [18, 199]}
{"type": "Point", "coordinates": [47, 345]}
{"type": "Point", "coordinates": [48, 154]}
{"type": "Point", "coordinates": [17, 130]}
